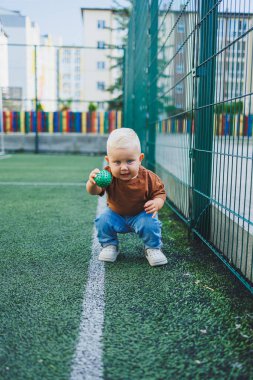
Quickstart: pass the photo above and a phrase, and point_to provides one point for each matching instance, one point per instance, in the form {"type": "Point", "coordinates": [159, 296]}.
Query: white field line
{"type": "Point", "coordinates": [87, 363]}
{"type": "Point", "coordinates": [3, 156]}
{"type": "Point", "coordinates": [5, 183]}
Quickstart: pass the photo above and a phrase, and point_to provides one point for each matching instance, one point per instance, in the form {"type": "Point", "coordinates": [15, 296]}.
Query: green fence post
{"type": "Point", "coordinates": [204, 74]}
{"type": "Point", "coordinates": [140, 49]}
{"type": "Point", "coordinates": [152, 85]}
{"type": "Point", "coordinates": [124, 79]}
{"type": "Point", "coordinates": [36, 101]}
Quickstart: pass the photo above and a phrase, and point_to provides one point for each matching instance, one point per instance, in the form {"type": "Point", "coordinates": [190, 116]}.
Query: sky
{"type": "Point", "coordinates": [62, 18]}
{"type": "Point", "coordinates": [56, 17]}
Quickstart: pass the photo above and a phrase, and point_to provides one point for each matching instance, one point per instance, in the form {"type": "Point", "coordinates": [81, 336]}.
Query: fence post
{"type": "Point", "coordinates": [58, 77]}
{"type": "Point", "coordinates": [124, 88]}
{"type": "Point", "coordinates": [128, 95]}
{"type": "Point", "coordinates": [152, 85]}
{"type": "Point", "coordinates": [1, 123]}
{"type": "Point", "coordinates": [36, 101]}
{"type": "Point", "coordinates": [204, 74]}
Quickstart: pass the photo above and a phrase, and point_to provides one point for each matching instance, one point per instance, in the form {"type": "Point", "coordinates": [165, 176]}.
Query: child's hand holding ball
{"type": "Point", "coordinates": [103, 178]}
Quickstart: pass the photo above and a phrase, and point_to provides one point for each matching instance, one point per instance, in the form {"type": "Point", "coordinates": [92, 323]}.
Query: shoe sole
{"type": "Point", "coordinates": [158, 263]}
{"type": "Point", "coordinates": [108, 259]}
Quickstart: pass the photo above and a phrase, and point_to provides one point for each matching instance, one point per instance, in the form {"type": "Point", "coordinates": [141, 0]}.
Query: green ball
{"type": "Point", "coordinates": [103, 178]}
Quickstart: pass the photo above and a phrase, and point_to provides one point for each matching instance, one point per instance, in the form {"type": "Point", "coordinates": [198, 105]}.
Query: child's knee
{"type": "Point", "coordinates": [149, 224]}
{"type": "Point", "coordinates": [153, 224]}
{"type": "Point", "coordinates": [110, 221]}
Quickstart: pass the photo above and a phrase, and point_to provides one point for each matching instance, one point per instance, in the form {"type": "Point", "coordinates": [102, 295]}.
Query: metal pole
{"type": "Point", "coordinates": [152, 116]}
{"type": "Point", "coordinates": [1, 121]}
{"type": "Point", "coordinates": [124, 90]}
{"type": "Point", "coordinates": [36, 102]}
{"type": "Point", "coordinates": [58, 78]}
{"type": "Point", "coordinates": [204, 73]}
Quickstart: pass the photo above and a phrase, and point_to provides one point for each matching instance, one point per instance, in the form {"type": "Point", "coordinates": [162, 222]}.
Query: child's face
{"type": "Point", "coordinates": [124, 162]}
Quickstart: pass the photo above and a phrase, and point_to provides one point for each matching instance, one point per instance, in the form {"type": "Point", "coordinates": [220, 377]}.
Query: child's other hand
{"type": "Point", "coordinates": [92, 175]}
{"type": "Point", "coordinates": [151, 207]}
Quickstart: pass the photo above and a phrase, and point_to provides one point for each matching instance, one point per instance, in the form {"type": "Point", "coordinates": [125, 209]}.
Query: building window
{"type": "Point", "coordinates": [66, 53]}
{"type": "Point", "coordinates": [180, 27]}
{"type": "Point", "coordinates": [101, 105]}
{"type": "Point", "coordinates": [179, 89]}
{"type": "Point", "coordinates": [101, 24]}
{"type": "Point", "coordinates": [180, 68]}
{"type": "Point", "coordinates": [66, 86]}
{"type": "Point", "coordinates": [101, 44]}
{"type": "Point", "coordinates": [242, 25]}
{"type": "Point", "coordinates": [66, 57]}
{"type": "Point", "coordinates": [240, 66]}
{"type": "Point", "coordinates": [66, 77]}
{"type": "Point", "coordinates": [241, 46]}
{"type": "Point", "coordinates": [101, 86]}
{"type": "Point", "coordinates": [101, 65]}
{"type": "Point", "coordinates": [180, 49]}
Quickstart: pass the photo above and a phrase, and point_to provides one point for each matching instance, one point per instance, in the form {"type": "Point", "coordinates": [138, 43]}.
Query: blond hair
{"type": "Point", "coordinates": [123, 138]}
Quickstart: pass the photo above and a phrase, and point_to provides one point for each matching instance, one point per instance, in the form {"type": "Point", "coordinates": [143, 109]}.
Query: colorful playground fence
{"type": "Point", "coordinates": [105, 122]}
{"type": "Point", "coordinates": [224, 125]}
{"type": "Point", "coordinates": [61, 122]}
{"type": "Point", "coordinates": [233, 125]}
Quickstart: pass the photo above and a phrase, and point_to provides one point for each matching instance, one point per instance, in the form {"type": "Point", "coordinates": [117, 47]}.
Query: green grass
{"type": "Point", "coordinates": [190, 319]}
{"type": "Point", "coordinates": [45, 249]}
{"type": "Point", "coordinates": [46, 168]}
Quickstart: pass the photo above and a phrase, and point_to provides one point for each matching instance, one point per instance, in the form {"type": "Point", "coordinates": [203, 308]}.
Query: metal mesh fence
{"type": "Point", "coordinates": [188, 93]}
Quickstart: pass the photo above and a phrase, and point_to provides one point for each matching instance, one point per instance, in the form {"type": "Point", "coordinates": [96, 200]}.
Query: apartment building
{"type": "Point", "coordinates": [46, 73]}
{"type": "Point", "coordinates": [233, 64]}
{"type": "Point", "coordinates": [21, 31]}
{"type": "Point", "coordinates": [101, 36]}
{"type": "Point", "coordinates": [71, 90]}
{"type": "Point", "coordinates": [32, 65]}
{"type": "Point", "coordinates": [4, 72]}
{"type": "Point", "coordinates": [174, 88]}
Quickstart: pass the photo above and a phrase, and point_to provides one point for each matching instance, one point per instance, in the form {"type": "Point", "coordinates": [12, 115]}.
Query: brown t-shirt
{"type": "Point", "coordinates": [127, 198]}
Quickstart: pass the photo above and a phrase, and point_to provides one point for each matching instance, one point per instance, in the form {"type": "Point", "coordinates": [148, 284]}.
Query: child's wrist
{"type": "Point", "coordinates": [91, 183]}
{"type": "Point", "coordinates": [159, 203]}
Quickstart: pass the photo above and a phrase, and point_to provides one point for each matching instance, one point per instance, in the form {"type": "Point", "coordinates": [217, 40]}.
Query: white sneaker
{"type": "Point", "coordinates": [109, 253]}
{"type": "Point", "coordinates": [155, 257]}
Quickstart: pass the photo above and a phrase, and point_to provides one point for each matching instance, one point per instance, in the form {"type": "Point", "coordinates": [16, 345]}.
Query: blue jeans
{"type": "Point", "coordinates": [109, 223]}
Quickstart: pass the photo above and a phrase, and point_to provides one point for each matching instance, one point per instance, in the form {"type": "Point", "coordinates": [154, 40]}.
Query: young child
{"type": "Point", "coordinates": [134, 197]}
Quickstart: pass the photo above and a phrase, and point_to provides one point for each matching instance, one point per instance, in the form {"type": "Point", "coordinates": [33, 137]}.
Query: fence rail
{"type": "Point", "coordinates": [188, 87]}
{"type": "Point", "coordinates": [61, 122]}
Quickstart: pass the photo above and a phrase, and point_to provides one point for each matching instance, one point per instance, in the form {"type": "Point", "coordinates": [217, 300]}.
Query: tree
{"type": "Point", "coordinates": [232, 108]}
{"type": "Point", "coordinates": [92, 107]}
{"type": "Point", "coordinates": [39, 107]}
{"type": "Point", "coordinates": [122, 14]}
{"type": "Point", "coordinates": [65, 105]}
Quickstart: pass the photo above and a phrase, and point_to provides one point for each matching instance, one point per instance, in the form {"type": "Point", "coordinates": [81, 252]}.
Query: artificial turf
{"type": "Point", "coordinates": [46, 236]}
{"type": "Point", "coordinates": [190, 319]}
